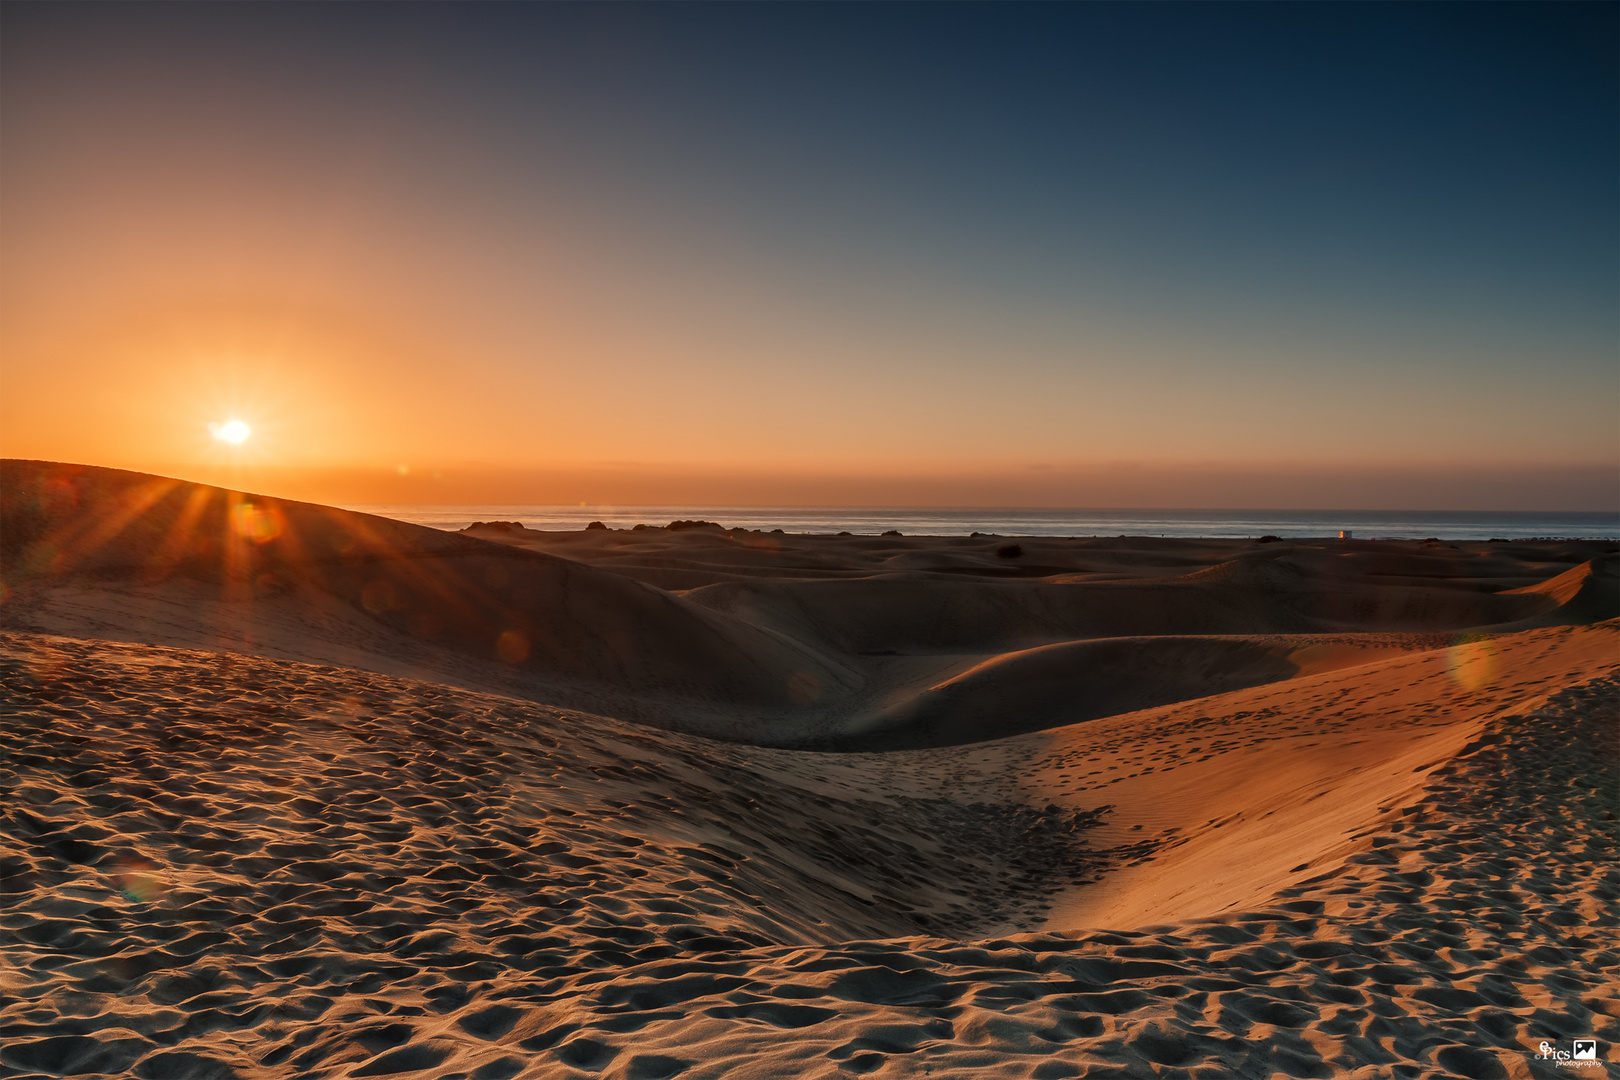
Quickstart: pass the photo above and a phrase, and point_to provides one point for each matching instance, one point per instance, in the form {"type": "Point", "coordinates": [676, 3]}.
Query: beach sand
{"type": "Point", "coordinates": [297, 792]}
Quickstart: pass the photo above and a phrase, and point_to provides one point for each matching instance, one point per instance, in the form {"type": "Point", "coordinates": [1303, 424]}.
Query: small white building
{"type": "Point", "coordinates": [1344, 534]}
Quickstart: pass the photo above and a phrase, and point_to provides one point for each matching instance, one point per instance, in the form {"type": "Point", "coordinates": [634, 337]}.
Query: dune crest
{"type": "Point", "coordinates": [1584, 593]}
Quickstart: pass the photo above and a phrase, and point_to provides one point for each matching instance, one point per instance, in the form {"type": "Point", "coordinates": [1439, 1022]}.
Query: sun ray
{"type": "Point", "coordinates": [181, 534]}
{"type": "Point", "coordinates": [78, 545]}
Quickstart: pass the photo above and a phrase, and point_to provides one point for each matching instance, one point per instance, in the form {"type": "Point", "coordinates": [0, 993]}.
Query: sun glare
{"type": "Point", "coordinates": [231, 431]}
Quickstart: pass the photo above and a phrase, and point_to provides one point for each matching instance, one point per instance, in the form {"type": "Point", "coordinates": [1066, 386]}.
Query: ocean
{"type": "Point", "coordinates": [911, 521]}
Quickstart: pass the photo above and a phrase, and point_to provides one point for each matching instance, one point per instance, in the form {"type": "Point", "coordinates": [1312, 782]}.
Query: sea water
{"type": "Point", "coordinates": [911, 521]}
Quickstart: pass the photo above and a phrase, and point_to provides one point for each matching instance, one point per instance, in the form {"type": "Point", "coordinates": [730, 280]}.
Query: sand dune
{"type": "Point", "coordinates": [1585, 593]}
{"type": "Point", "coordinates": [1299, 809]}
{"type": "Point", "coordinates": [1055, 685]}
{"type": "Point", "coordinates": [142, 558]}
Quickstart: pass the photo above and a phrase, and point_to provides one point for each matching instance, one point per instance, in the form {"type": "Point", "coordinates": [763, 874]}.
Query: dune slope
{"type": "Point", "coordinates": [144, 558]}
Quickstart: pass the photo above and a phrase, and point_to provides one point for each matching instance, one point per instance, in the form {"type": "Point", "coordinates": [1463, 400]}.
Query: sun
{"type": "Point", "coordinates": [231, 431]}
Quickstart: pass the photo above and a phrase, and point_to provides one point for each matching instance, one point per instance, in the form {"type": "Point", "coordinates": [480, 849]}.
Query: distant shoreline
{"type": "Point", "coordinates": [1188, 524]}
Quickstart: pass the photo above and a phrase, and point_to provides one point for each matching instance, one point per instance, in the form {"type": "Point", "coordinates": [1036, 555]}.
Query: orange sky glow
{"type": "Point", "coordinates": [406, 308]}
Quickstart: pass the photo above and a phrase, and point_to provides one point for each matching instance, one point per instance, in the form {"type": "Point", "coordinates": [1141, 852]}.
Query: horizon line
{"type": "Point", "coordinates": [974, 508]}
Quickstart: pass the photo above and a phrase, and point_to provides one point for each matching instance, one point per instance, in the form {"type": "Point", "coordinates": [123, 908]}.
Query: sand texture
{"type": "Point", "coordinates": [1100, 808]}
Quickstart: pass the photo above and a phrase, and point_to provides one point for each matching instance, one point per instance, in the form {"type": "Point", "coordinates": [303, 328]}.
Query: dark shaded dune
{"type": "Point", "coordinates": [986, 563]}
{"type": "Point", "coordinates": [923, 614]}
{"type": "Point", "coordinates": [689, 559]}
{"type": "Point", "coordinates": [1407, 608]}
{"type": "Point", "coordinates": [1423, 565]}
{"type": "Point", "coordinates": [932, 614]}
{"type": "Point", "coordinates": [1482, 571]}
{"type": "Point", "coordinates": [1054, 685]}
{"type": "Point", "coordinates": [1586, 593]}
{"type": "Point", "coordinates": [1139, 556]}
{"type": "Point", "coordinates": [677, 578]}
{"type": "Point", "coordinates": [725, 554]}
{"type": "Point", "coordinates": [1334, 592]}
{"type": "Point", "coordinates": [275, 569]}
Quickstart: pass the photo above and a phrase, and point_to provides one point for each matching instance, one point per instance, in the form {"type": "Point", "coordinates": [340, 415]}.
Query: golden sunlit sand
{"type": "Point", "coordinates": [301, 792]}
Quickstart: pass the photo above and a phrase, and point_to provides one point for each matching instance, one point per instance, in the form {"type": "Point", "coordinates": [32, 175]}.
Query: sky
{"type": "Point", "coordinates": [1115, 254]}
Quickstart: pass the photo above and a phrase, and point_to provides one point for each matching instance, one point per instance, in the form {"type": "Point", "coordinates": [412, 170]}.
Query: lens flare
{"type": "Point", "coordinates": [1472, 662]}
{"type": "Point", "coordinates": [259, 524]}
{"type": "Point", "coordinates": [512, 646]}
{"type": "Point", "coordinates": [139, 880]}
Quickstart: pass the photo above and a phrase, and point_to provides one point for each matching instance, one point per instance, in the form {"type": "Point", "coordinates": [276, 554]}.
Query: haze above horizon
{"type": "Point", "coordinates": [1155, 255]}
